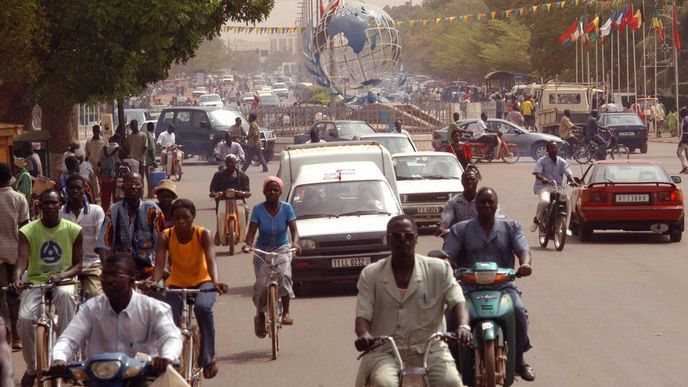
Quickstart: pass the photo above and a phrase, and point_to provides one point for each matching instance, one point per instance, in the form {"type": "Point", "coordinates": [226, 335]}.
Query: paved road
{"type": "Point", "coordinates": [606, 313]}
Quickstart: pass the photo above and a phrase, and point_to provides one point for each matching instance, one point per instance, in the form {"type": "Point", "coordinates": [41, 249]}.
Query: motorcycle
{"type": "Point", "coordinates": [232, 220]}
{"type": "Point", "coordinates": [554, 222]}
{"type": "Point", "coordinates": [491, 360]}
{"type": "Point", "coordinates": [173, 166]}
{"type": "Point", "coordinates": [106, 369]}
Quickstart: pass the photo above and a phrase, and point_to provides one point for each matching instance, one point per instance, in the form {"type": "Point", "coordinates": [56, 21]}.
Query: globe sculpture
{"type": "Point", "coordinates": [355, 46]}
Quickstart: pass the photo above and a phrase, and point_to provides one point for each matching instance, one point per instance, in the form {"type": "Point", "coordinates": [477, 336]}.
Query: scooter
{"type": "Point", "coordinates": [173, 167]}
{"type": "Point", "coordinates": [491, 360]}
{"type": "Point", "coordinates": [106, 369]}
{"type": "Point", "coordinates": [232, 218]}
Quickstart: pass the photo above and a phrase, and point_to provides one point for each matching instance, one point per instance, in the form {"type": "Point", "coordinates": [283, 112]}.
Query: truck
{"type": "Point", "coordinates": [343, 194]}
{"type": "Point", "coordinates": [557, 97]}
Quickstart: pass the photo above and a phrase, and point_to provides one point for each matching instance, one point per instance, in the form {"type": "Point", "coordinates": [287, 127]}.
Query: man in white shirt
{"type": "Point", "coordinates": [480, 134]}
{"type": "Point", "coordinates": [228, 147]}
{"type": "Point", "coordinates": [398, 129]}
{"type": "Point", "coordinates": [165, 139]}
{"type": "Point", "coordinates": [314, 135]}
{"type": "Point", "coordinates": [121, 320]}
{"type": "Point", "coordinates": [90, 217]}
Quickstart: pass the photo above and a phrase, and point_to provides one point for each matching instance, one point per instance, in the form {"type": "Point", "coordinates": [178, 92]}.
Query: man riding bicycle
{"type": "Point", "coordinates": [50, 250]}
{"type": "Point", "coordinates": [548, 169]}
{"type": "Point", "coordinates": [592, 134]}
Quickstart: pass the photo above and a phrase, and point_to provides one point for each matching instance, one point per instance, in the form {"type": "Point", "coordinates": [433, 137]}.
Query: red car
{"type": "Point", "coordinates": [631, 195]}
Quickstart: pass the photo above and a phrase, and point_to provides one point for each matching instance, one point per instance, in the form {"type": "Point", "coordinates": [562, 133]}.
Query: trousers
{"type": "Point", "coordinates": [203, 310]}
{"type": "Point", "coordinates": [90, 282]}
{"type": "Point", "coordinates": [9, 301]}
{"type": "Point", "coordinates": [250, 154]}
{"type": "Point", "coordinates": [380, 369]}
{"type": "Point", "coordinates": [682, 153]}
{"type": "Point", "coordinates": [544, 197]}
{"type": "Point", "coordinates": [64, 299]}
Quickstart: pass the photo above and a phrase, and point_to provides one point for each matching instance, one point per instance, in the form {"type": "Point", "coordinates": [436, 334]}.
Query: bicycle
{"type": "Point", "coordinates": [615, 150]}
{"type": "Point", "coordinates": [553, 225]}
{"type": "Point", "coordinates": [45, 329]}
{"type": "Point", "coordinates": [409, 376]}
{"type": "Point", "coordinates": [189, 368]}
{"type": "Point", "coordinates": [233, 226]}
{"type": "Point", "coordinates": [273, 318]}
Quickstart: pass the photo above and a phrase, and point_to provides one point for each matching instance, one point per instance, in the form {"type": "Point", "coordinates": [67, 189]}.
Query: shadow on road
{"type": "Point", "coordinates": [326, 290]}
{"type": "Point", "coordinates": [247, 357]}
{"type": "Point", "coordinates": [621, 238]}
{"type": "Point", "coordinates": [244, 291]}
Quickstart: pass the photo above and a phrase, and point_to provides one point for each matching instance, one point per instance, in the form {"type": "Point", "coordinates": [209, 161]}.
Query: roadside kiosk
{"type": "Point", "coordinates": [7, 133]}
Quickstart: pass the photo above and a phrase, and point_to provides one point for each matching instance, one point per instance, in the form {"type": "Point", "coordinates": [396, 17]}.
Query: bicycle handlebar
{"type": "Point", "coordinates": [44, 285]}
{"type": "Point", "coordinates": [250, 249]}
{"type": "Point", "coordinates": [381, 340]}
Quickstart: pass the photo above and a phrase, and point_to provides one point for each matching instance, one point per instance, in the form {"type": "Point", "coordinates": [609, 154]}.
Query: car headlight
{"type": "Point", "coordinates": [308, 244]}
{"type": "Point", "coordinates": [105, 369]}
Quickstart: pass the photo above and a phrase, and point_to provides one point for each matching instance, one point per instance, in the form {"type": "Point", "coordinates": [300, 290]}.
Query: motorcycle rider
{"type": "Point", "coordinates": [394, 299]}
{"type": "Point", "coordinates": [165, 140]}
{"type": "Point", "coordinates": [227, 146]}
{"type": "Point", "coordinates": [227, 178]}
{"type": "Point", "coordinates": [566, 133]}
{"type": "Point", "coordinates": [549, 168]}
{"type": "Point", "coordinates": [489, 239]}
{"type": "Point", "coordinates": [483, 134]}
{"type": "Point", "coordinates": [592, 134]}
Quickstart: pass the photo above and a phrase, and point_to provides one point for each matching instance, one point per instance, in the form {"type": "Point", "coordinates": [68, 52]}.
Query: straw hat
{"type": "Point", "coordinates": [166, 184]}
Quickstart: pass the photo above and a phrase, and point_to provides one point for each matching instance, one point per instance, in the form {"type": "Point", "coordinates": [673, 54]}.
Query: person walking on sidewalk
{"type": "Point", "coordinates": [682, 151]}
{"type": "Point", "coordinates": [253, 144]}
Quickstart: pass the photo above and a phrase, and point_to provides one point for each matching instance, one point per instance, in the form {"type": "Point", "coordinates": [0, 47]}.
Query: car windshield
{"type": "Point", "coordinates": [343, 198]}
{"type": "Point", "coordinates": [393, 144]}
{"type": "Point", "coordinates": [622, 119]}
{"type": "Point", "coordinates": [210, 98]}
{"type": "Point", "coordinates": [222, 117]}
{"type": "Point", "coordinates": [629, 173]}
{"type": "Point", "coordinates": [352, 129]}
{"type": "Point", "coordinates": [427, 167]}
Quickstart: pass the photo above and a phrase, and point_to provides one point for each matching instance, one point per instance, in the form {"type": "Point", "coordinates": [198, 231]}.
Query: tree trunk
{"type": "Point", "coordinates": [13, 109]}
{"type": "Point", "coordinates": [62, 125]}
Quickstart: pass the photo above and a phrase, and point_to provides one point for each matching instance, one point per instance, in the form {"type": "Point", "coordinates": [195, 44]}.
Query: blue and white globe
{"type": "Point", "coordinates": [356, 46]}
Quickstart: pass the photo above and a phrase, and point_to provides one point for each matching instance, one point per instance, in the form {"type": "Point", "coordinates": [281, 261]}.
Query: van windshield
{"type": "Point", "coordinates": [222, 117]}
{"type": "Point", "coordinates": [343, 198]}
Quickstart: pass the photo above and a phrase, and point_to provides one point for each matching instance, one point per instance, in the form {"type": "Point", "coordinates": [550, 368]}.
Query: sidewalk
{"type": "Point", "coordinates": [666, 138]}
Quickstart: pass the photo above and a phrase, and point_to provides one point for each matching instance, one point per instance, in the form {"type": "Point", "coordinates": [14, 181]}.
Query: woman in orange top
{"type": "Point", "coordinates": [192, 255]}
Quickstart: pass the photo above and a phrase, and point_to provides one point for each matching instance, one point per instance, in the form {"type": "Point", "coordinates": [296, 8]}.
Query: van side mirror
{"type": "Point", "coordinates": [676, 179]}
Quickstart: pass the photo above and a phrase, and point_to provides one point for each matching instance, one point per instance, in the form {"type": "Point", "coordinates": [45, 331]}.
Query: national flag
{"type": "Point", "coordinates": [637, 20]}
{"type": "Point", "coordinates": [567, 34]}
{"type": "Point", "coordinates": [606, 28]}
{"type": "Point", "coordinates": [620, 18]}
{"type": "Point", "coordinates": [658, 26]}
{"type": "Point", "coordinates": [593, 29]}
{"type": "Point", "coordinates": [628, 17]}
{"type": "Point", "coordinates": [674, 21]}
{"type": "Point", "coordinates": [579, 31]}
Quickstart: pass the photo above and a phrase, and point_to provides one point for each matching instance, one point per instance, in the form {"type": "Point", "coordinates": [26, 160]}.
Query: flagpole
{"type": "Point", "coordinates": [635, 73]}
{"type": "Point", "coordinates": [628, 72]}
{"type": "Point", "coordinates": [596, 68]}
{"type": "Point", "coordinates": [611, 66]}
{"type": "Point", "coordinates": [644, 54]}
{"type": "Point", "coordinates": [618, 59]}
{"type": "Point", "coordinates": [576, 60]}
{"type": "Point", "coordinates": [587, 60]}
{"type": "Point", "coordinates": [673, 25]}
{"type": "Point", "coordinates": [655, 88]}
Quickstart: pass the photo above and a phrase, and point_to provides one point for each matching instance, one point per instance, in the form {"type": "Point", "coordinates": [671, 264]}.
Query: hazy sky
{"type": "Point", "coordinates": [285, 11]}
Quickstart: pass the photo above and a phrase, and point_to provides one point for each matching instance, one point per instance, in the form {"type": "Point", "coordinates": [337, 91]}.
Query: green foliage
{"type": "Point", "coordinates": [319, 95]}
{"type": "Point", "coordinates": [69, 51]}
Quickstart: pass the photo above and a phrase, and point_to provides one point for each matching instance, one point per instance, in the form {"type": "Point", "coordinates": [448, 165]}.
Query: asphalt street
{"type": "Point", "coordinates": [604, 313]}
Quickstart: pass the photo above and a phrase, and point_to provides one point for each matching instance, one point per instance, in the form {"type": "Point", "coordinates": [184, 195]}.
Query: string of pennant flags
{"type": "Point", "coordinates": [481, 16]}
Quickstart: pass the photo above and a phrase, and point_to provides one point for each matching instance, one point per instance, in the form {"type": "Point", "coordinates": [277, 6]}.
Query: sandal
{"type": "Point", "coordinates": [287, 320]}
{"type": "Point", "coordinates": [210, 371]}
{"type": "Point", "coordinates": [259, 325]}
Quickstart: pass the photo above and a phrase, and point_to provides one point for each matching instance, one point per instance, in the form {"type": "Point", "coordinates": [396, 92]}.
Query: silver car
{"type": "Point", "coordinates": [531, 144]}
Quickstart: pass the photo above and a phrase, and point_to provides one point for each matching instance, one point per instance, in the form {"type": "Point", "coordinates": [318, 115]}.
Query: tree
{"type": "Point", "coordinates": [73, 51]}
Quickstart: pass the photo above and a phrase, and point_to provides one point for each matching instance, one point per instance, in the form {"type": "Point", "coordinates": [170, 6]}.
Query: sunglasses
{"type": "Point", "coordinates": [399, 236]}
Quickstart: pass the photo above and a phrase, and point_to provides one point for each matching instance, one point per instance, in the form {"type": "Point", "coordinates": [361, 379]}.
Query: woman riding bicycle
{"type": "Point", "coordinates": [273, 219]}
{"type": "Point", "coordinates": [191, 252]}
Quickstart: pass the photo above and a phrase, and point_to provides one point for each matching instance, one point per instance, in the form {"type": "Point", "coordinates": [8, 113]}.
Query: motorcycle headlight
{"type": "Point", "coordinates": [132, 371]}
{"type": "Point", "coordinates": [230, 193]}
{"type": "Point", "coordinates": [308, 244]}
{"type": "Point", "coordinates": [105, 369]}
{"type": "Point", "coordinates": [485, 277]}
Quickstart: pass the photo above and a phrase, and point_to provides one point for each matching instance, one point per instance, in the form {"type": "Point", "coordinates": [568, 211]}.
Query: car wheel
{"type": "Point", "coordinates": [675, 236]}
{"type": "Point", "coordinates": [643, 148]}
{"type": "Point", "coordinates": [538, 150]}
{"type": "Point", "coordinates": [584, 232]}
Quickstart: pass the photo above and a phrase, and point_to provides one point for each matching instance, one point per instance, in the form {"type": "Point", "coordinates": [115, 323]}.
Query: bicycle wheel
{"type": "Point", "coordinates": [559, 232]}
{"type": "Point", "coordinates": [582, 155]}
{"type": "Point", "coordinates": [510, 155]}
{"type": "Point", "coordinates": [42, 354]}
{"type": "Point", "coordinates": [195, 354]}
{"type": "Point", "coordinates": [230, 235]}
{"type": "Point", "coordinates": [272, 318]}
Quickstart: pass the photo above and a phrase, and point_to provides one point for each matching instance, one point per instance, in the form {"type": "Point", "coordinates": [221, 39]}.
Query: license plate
{"type": "Point", "coordinates": [350, 262]}
{"type": "Point", "coordinates": [626, 133]}
{"type": "Point", "coordinates": [633, 198]}
{"type": "Point", "coordinates": [429, 210]}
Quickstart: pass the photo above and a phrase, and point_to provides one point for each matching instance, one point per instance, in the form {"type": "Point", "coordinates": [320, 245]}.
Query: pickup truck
{"type": "Point", "coordinates": [556, 98]}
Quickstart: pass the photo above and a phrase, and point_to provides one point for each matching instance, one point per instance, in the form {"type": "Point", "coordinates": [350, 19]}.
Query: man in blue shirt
{"type": "Point", "coordinates": [592, 133]}
{"type": "Point", "coordinates": [548, 169]}
{"type": "Point", "coordinates": [489, 239]}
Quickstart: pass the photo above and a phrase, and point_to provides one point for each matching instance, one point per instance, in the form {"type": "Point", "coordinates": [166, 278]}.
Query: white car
{"type": "Point", "coordinates": [210, 100]}
{"type": "Point", "coordinates": [426, 181]}
{"type": "Point", "coordinates": [394, 142]}
{"type": "Point", "coordinates": [280, 90]}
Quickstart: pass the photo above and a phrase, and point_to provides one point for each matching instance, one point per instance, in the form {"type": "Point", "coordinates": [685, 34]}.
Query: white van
{"type": "Point", "coordinates": [343, 195]}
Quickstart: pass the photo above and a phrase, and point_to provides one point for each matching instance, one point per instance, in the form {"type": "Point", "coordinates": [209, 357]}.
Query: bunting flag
{"type": "Point", "coordinates": [674, 25]}
{"type": "Point", "coordinates": [566, 36]}
{"type": "Point", "coordinates": [593, 29]}
{"type": "Point", "coordinates": [262, 30]}
{"type": "Point", "coordinates": [658, 26]}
